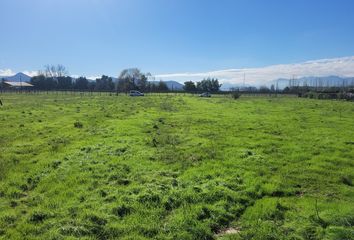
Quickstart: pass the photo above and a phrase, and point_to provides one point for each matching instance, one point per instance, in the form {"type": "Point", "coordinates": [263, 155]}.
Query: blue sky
{"type": "Point", "coordinates": [92, 37]}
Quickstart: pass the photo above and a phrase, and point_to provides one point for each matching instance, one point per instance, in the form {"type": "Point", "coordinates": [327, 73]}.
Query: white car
{"type": "Point", "coordinates": [205, 94]}
{"type": "Point", "coordinates": [135, 93]}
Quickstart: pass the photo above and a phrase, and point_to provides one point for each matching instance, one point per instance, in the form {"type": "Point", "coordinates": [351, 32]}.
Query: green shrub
{"type": "Point", "coordinates": [38, 217]}
{"type": "Point", "coordinates": [78, 124]}
{"type": "Point", "coordinates": [235, 95]}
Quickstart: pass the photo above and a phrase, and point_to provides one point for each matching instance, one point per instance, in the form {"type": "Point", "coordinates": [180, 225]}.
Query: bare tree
{"type": "Point", "coordinates": [53, 71]}
{"type": "Point", "coordinates": [61, 71]}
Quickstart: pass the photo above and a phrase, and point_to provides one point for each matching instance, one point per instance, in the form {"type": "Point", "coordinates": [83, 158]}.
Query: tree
{"type": "Point", "coordinates": [151, 87]}
{"type": "Point", "coordinates": [52, 71]}
{"type": "Point", "coordinates": [104, 83]}
{"type": "Point", "coordinates": [162, 86]}
{"type": "Point", "coordinates": [209, 85]}
{"type": "Point", "coordinates": [286, 89]}
{"type": "Point", "coordinates": [264, 89]}
{"type": "Point", "coordinates": [91, 85]}
{"type": "Point", "coordinates": [203, 86]}
{"type": "Point", "coordinates": [52, 77]}
{"type": "Point", "coordinates": [81, 83]}
{"type": "Point", "coordinates": [2, 83]}
{"type": "Point", "coordinates": [131, 79]}
{"type": "Point", "coordinates": [189, 86]}
{"type": "Point", "coordinates": [38, 81]}
{"type": "Point", "coordinates": [64, 82]}
{"type": "Point", "coordinates": [215, 86]}
{"type": "Point", "coordinates": [41, 82]}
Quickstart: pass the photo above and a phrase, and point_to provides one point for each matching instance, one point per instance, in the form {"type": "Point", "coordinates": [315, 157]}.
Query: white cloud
{"type": "Point", "coordinates": [31, 73]}
{"type": "Point", "coordinates": [87, 77]}
{"type": "Point", "coordinates": [6, 72]}
{"type": "Point", "coordinates": [10, 72]}
{"type": "Point", "coordinates": [343, 67]}
{"type": "Point", "coordinates": [94, 77]}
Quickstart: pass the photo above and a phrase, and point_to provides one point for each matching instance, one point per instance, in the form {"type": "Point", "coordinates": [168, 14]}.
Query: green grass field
{"type": "Point", "coordinates": [175, 167]}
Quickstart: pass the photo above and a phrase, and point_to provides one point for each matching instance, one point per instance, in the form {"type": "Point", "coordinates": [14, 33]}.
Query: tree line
{"type": "Point", "coordinates": [206, 85]}
{"type": "Point", "coordinates": [57, 78]}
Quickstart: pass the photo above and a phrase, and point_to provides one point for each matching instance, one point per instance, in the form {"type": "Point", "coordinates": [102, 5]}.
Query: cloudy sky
{"type": "Point", "coordinates": [183, 38]}
{"type": "Point", "coordinates": [343, 67]}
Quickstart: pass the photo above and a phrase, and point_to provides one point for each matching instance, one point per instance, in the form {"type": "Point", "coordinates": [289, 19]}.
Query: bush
{"type": "Point", "coordinates": [38, 217]}
{"type": "Point", "coordinates": [235, 95]}
{"type": "Point", "coordinates": [78, 124]}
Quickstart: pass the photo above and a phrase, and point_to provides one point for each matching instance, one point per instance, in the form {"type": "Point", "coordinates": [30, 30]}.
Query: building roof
{"type": "Point", "coordinates": [18, 84]}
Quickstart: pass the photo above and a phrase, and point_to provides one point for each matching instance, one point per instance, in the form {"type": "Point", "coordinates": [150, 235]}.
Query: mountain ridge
{"type": "Point", "coordinates": [18, 77]}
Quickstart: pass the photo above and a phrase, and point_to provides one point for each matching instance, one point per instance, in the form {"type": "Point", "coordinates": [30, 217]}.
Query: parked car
{"type": "Point", "coordinates": [205, 94]}
{"type": "Point", "coordinates": [135, 93]}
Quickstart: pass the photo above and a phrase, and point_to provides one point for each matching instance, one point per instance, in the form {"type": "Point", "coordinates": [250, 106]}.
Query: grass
{"type": "Point", "coordinates": [175, 167]}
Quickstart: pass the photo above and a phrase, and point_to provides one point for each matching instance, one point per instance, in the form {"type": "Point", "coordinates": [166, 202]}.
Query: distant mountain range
{"type": "Point", "coordinates": [19, 77]}
{"type": "Point", "coordinates": [331, 81]}
{"type": "Point", "coordinates": [328, 81]}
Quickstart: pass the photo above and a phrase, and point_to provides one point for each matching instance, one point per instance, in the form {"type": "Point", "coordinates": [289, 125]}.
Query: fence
{"type": "Point", "coordinates": [114, 93]}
